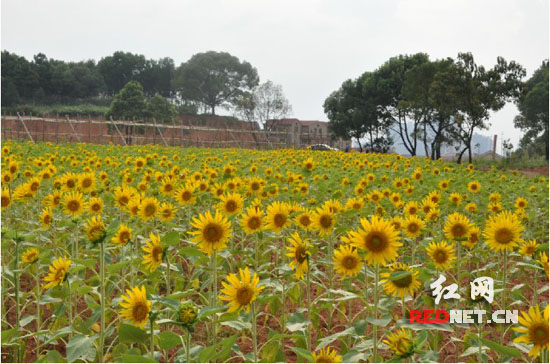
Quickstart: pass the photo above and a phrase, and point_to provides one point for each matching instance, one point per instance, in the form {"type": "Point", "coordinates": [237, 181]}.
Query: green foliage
{"type": "Point", "coordinates": [214, 79]}
{"type": "Point", "coordinates": [161, 109]}
{"type": "Point", "coordinates": [533, 107]}
{"type": "Point", "coordinates": [129, 103]}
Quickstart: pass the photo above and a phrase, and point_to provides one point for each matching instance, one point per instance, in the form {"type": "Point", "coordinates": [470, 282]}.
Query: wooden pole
{"type": "Point", "coordinates": [72, 128]}
{"type": "Point", "coordinates": [118, 131]}
{"type": "Point", "coordinates": [25, 126]}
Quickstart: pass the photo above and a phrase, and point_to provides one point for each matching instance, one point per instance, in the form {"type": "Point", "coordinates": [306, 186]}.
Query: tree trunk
{"type": "Point", "coordinates": [459, 160]}
{"type": "Point", "coordinates": [360, 147]}
{"type": "Point", "coordinates": [213, 108]}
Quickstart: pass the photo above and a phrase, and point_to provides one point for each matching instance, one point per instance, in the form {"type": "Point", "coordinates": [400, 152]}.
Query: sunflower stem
{"type": "Point", "coordinates": [188, 347]}
{"type": "Point", "coordinates": [102, 287]}
{"type": "Point", "coordinates": [504, 293]}
{"type": "Point", "coordinates": [535, 289]}
{"type": "Point", "coordinates": [152, 348]}
{"type": "Point", "coordinates": [38, 318]}
{"type": "Point", "coordinates": [214, 292]}
{"type": "Point", "coordinates": [70, 306]}
{"type": "Point", "coordinates": [254, 333]}
{"type": "Point", "coordinates": [308, 287]}
{"type": "Point", "coordinates": [167, 274]}
{"type": "Point", "coordinates": [375, 328]}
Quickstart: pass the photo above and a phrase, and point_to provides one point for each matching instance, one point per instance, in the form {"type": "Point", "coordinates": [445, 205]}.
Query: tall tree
{"type": "Point", "coordinates": [533, 108]}
{"type": "Point", "coordinates": [215, 79]}
{"type": "Point", "coordinates": [388, 81]}
{"type": "Point", "coordinates": [129, 103]}
{"type": "Point", "coordinates": [119, 69]}
{"type": "Point", "coordinates": [352, 114]}
{"type": "Point", "coordinates": [161, 109]}
{"type": "Point", "coordinates": [482, 91]}
{"type": "Point", "coordinates": [265, 102]}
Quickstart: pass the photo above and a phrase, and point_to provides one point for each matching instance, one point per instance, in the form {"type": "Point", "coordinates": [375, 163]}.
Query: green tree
{"type": "Point", "coordinates": [214, 79]}
{"type": "Point", "coordinates": [481, 91]}
{"type": "Point", "coordinates": [533, 108]}
{"type": "Point", "coordinates": [129, 103]}
{"type": "Point", "coordinates": [161, 109]}
{"type": "Point", "coordinates": [352, 114]}
{"type": "Point", "coordinates": [387, 83]}
{"type": "Point", "coordinates": [119, 69]}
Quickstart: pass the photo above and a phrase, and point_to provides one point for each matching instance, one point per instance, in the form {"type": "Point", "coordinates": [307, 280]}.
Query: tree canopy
{"type": "Point", "coordinates": [214, 79]}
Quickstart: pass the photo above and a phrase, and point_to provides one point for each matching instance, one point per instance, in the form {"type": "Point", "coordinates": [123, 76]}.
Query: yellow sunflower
{"type": "Point", "coordinates": [95, 228]}
{"type": "Point", "coordinates": [185, 195]}
{"type": "Point", "coordinates": [304, 219]}
{"type": "Point", "coordinates": [378, 239]}
{"type": "Point", "coordinates": [473, 238]}
{"type": "Point", "coordinates": [346, 261]}
{"type": "Point", "coordinates": [136, 307]}
{"type": "Point", "coordinates": [230, 204]}
{"type": "Point", "coordinates": [299, 252]}
{"type": "Point", "coordinates": [534, 327]}
{"type": "Point", "coordinates": [167, 211]}
{"type": "Point", "coordinates": [29, 256]}
{"type": "Point", "coordinates": [543, 260]}
{"type": "Point", "coordinates": [95, 205]}
{"type": "Point", "coordinates": [123, 195]}
{"type": "Point", "coordinates": [326, 355]}
{"type": "Point", "coordinates": [411, 208]}
{"type": "Point", "coordinates": [442, 254]}
{"type": "Point", "coordinates": [58, 272]}
{"type": "Point", "coordinates": [528, 248]}
{"type": "Point", "coordinates": [474, 187]}
{"type": "Point", "coordinates": [457, 226]}
{"type": "Point", "coordinates": [406, 281]}
{"type": "Point", "coordinates": [6, 199]}
{"type": "Point", "coordinates": [323, 221]}
{"type": "Point", "coordinates": [503, 231]}
{"type": "Point", "coordinates": [148, 208]}
{"type": "Point", "coordinates": [212, 232]}
{"type": "Point", "coordinates": [73, 203]}
{"type": "Point", "coordinates": [46, 218]}
{"type": "Point", "coordinates": [521, 203]}
{"type": "Point", "coordinates": [413, 226]}
{"type": "Point", "coordinates": [277, 216]}
{"type": "Point", "coordinates": [240, 293]}
{"type": "Point", "coordinates": [123, 235]}
{"type": "Point", "coordinates": [154, 253]}
{"type": "Point", "coordinates": [251, 221]}
{"type": "Point", "coordinates": [400, 342]}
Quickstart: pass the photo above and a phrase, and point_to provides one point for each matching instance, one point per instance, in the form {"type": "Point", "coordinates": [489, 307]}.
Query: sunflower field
{"type": "Point", "coordinates": [163, 254]}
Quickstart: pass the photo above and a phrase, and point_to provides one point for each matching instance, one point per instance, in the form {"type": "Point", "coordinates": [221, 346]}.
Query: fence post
{"type": "Point", "coordinates": [25, 126]}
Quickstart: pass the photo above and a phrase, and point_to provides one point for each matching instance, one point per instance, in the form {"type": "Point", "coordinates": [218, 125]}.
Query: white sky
{"type": "Point", "coordinates": [309, 47]}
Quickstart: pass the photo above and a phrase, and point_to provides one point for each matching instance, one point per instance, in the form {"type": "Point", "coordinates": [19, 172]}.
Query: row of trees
{"type": "Point", "coordinates": [431, 103]}
{"type": "Point", "coordinates": [205, 82]}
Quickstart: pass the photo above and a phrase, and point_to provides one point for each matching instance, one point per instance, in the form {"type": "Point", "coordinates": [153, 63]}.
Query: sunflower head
{"type": "Point", "coordinates": [533, 328]}
{"type": "Point", "coordinates": [212, 232]}
{"type": "Point", "coordinates": [400, 280]}
{"type": "Point", "coordinates": [240, 292]}
{"type": "Point", "coordinates": [29, 256]}
{"type": "Point", "coordinates": [326, 355]}
{"type": "Point", "coordinates": [187, 315]}
{"type": "Point", "coordinates": [400, 342]}
{"type": "Point", "coordinates": [58, 272]}
{"type": "Point", "coordinates": [300, 252]}
{"type": "Point", "coordinates": [457, 227]}
{"type": "Point", "coordinates": [378, 239]}
{"type": "Point", "coordinates": [136, 307]}
{"type": "Point", "coordinates": [251, 221]}
{"type": "Point", "coordinates": [413, 226]}
{"type": "Point", "coordinates": [442, 254]}
{"type": "Point", "coordinates": [503, 231]}
{"type": "Point", "coordinates": [346, 261]}
{"type": "Point", "coordinates": [323, 221]}
{"type": "Point", "coordinates": [154, 253]}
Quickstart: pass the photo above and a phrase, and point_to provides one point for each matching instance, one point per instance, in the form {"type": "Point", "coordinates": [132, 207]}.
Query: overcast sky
{"type": "Point", "coordinates": [309, 47]}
